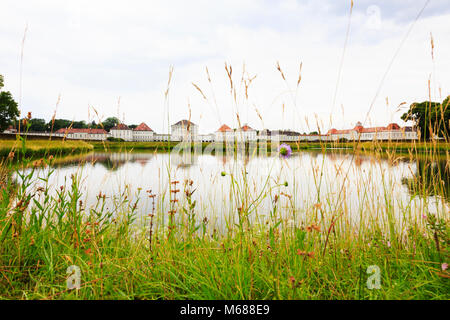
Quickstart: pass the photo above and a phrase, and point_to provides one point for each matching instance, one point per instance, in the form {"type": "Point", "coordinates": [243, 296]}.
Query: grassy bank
{"type": "Point", "coordinates": [173, 253]}
{"type": "Point", "coordinates": [43, 148]}
{"type": "Point", "coordinates": [402, 147]}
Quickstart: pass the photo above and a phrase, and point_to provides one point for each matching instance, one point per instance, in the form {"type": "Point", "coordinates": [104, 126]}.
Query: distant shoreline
{"type": "Point", "coordinates": [41, 148]}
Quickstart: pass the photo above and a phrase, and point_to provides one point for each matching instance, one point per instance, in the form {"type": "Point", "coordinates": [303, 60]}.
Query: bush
{"type": "Point", "coordinates": [112, 139]}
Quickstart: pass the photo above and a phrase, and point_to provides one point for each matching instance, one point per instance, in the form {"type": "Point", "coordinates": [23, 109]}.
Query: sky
{"type": "Point", "coordinates": [88, 60]}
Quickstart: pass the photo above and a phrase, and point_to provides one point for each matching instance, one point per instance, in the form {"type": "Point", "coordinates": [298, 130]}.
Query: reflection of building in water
{"type": "Point", "coordinates": [358, 160]}
{"type": "Point", "coordinates": [113, 161]}
{"type": "Point", "coordinates": [184, 159]}
{"type": "Point", "coordinates": [130, 156]}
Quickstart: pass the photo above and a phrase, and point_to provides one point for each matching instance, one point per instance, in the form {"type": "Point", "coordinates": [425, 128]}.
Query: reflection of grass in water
{"type": "Point", "coordinates": [431, 178]}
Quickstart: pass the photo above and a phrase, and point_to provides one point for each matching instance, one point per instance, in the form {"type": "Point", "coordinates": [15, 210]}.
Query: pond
{"type": "Point", "coordinates": [307, 183]}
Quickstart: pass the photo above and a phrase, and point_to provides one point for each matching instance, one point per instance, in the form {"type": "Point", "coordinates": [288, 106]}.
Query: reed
{"type": "Point", "coordinates": [42, 148]}
{"type": "Point", "coordinates": [124, 256]}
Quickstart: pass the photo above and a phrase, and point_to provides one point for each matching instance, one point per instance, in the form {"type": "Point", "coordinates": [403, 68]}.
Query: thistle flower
{"type": "Point", "coordinates": [444, 266]}
{"type": "Point", "coordinates": [284, 151]}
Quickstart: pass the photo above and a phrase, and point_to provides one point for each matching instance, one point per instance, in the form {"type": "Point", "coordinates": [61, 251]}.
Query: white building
{"type": "Point", "coordinates": [184, 130]}
{"type": "Point", "coordinates": [246, 133]}
{"type": "Point", "coordinates": [10, 130]}
{"type": "Point", "coordinates": [392, 132]}
{"type": "Point", "coordinates": [161, 137]}
{"type": "Point", "coordinates": [122, 131]}
{"type": "Point", "coordinates": [83, 134]}
{"type": "Point", "coordinates": [224, 133]}
{"type": "Point", "coordinates": [210, 137]}
{"type": "Point", "coordinates": [143, 133]}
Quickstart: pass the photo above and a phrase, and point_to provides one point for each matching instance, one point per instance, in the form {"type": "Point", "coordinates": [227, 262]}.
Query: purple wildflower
{"type": "Point", "coordinates": [444, 266]}
{"type": "Point", "coordinates": [284, 150]}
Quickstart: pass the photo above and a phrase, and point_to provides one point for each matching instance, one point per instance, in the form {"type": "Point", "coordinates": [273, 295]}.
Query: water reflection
{"type": "Point", "coordinates": [431, 178]}
{"type": "Point", "coordinates": [311, 177]}
{"type": "Point", "coordinates": [108, 160]}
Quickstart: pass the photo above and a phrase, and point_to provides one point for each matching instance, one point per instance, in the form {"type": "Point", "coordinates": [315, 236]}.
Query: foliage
{"type": "Point", "coordinates": [431, 118]}
{"type": "Point", "coordinates": [38, 125]}
{"type": "Point", "coordinates": [113, 139]}
{"type": "Point", "coordinates": [8, 107]}
{"type": "Point", "coordinates": [110, 123]}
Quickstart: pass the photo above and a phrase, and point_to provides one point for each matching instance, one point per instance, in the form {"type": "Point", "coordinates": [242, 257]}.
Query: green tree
{"type": "Point", "coordinates": [109, 123]}
{"type": "Point", "coordinates": [37, 125]}
{"type": "Point", "coordinates": [79, 125]}
{"type": "Point", "coordinates": [59, 124]}
{"type": "Point", "coordinates": [431, 118]}
{"type": "Point", "coordinates": [9, 110]}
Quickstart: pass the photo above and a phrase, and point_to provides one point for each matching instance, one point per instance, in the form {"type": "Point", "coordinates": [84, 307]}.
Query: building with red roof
{"type": "Point", "coordinates": [246, 133]}
{"type": "Point", "coordinates": [143, 133]}
{"type": "Point", "coordinates": [224, 133]}
{"type": "Point", "coordinates": [122, 131]}
{"type": "Point", "coordinates": [391, 132]}
{"type": "Point", "coordinates": [83, 134]}
{"type": "Point", "coordinates": [184, 130]}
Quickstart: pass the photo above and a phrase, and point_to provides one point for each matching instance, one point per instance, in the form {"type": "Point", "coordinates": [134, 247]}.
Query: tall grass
{"type": "Point", "coordinates": [42, 148]}
{"type": "Point", "coordinates": [45, 229]}
{"type": "Point", "coordinates": [320, 250]}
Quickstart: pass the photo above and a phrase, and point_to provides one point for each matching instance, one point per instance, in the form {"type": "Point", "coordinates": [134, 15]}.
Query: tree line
{"type": "Point", "coordinates": [40, 125]}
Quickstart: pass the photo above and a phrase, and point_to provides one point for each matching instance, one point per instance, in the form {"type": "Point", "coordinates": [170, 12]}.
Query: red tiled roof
{"type": "Point", "coordinates": [332, 131]}
{"type": "Point", "coordinates": [335, 131]}
{"type": "Point", "coordinates": [90, 131]}
{"type": "Point", "coordinates": [393, 126]}
{"type": "Point", "coordinates": [143, 127]}
{"type": "Point", "coordinates": [184, 123]}
{"type": "Point", "coordinates": [374, 129]}
{"type": "Point", "coordinates": [361, 129]}
{"type": "Point", "coordinates": [224, 128]}
{"type": "Point", "coordinates": [246, 128]}
{"type": "Point", "coordinates": [120, 126]}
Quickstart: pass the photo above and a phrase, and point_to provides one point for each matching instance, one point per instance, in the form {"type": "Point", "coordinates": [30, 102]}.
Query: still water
{"type": "Point", "coordinates": [298, 186]}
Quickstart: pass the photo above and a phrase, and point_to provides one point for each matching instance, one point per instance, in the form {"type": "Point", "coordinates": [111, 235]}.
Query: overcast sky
{"type": "Point", "coordinates": [91, 53]}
